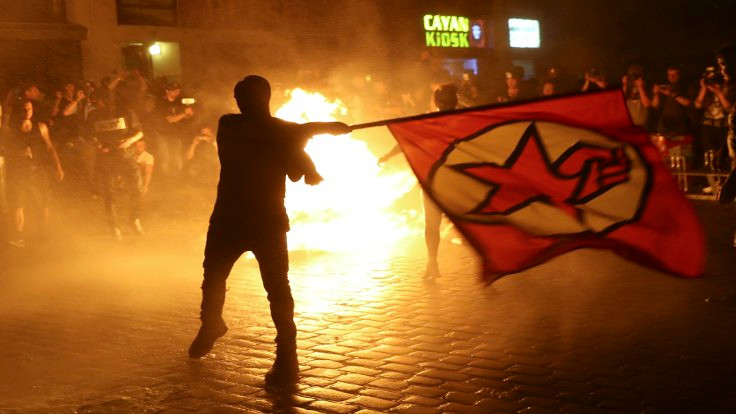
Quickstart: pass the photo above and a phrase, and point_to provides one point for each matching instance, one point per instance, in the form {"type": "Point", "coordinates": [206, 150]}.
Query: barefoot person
{"type": "Point", "coordinates": [446, 99]}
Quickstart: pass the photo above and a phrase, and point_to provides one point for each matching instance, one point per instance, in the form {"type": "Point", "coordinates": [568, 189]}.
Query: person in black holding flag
{"type": "Point", "coordinates": [257, 152]}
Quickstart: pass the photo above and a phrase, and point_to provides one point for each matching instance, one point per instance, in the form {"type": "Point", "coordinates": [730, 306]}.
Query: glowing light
{"type": "Point", "coordinates": [154, 49]}
{"type": "Point", "coordinates": [350, 209]}
{"type": "Point", "coordinates": [524, 33]}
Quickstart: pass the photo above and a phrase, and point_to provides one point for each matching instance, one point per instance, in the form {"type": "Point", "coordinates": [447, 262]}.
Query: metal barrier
{"type": "Point", "coordinates": [678, 167]}
{"type": "Point", "coordinates": [677, 152]}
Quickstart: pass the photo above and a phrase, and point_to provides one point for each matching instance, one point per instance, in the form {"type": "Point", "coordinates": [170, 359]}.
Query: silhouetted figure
{"type": "Point", "coordinates": [29, 155]}
{"type": "Point", "coordinates": [726, 59]}
{"type": "Point", "coordinates": [115, 128]}
{"type": "Point", "coordinates": [257, 152]}
{"type": "Point", "coordinates": [445, 99]}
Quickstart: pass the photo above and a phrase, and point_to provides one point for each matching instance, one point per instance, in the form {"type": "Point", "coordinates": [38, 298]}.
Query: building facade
{"type": "Point", "coordinates": [211, 43]}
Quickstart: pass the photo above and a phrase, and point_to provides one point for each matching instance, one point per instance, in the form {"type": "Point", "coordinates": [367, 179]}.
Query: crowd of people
{"type": "Point", "coordinates": [100, 141]}
{"type": "Point", "coordinates": [110, 140]}
{"type": "Point", "coordinates": [686, 113]}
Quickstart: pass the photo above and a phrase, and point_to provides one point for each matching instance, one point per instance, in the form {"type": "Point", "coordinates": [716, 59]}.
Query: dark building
{"type": "Point", "coordinates": [38, 43]}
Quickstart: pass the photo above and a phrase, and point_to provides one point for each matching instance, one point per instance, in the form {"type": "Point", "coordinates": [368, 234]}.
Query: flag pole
{"type": "Point", "coordinates": [432, 115]}
{"type": "Point", "coordinates": [471, 109]}
{"type": "Point", "coordinates": [422, 116]}
{"type": "Point", "coordinates": [385, 122]}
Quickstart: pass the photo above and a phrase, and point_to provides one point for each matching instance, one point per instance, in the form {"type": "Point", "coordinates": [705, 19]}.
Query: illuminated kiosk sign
{"type": "Point", "coordinates": [453, 31]}
{"type": "Point", "coordinates": [524, 33]}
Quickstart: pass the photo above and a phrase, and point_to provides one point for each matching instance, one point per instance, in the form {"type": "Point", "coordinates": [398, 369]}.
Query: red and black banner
{"type": "Point", "coordinates": [526, 182]}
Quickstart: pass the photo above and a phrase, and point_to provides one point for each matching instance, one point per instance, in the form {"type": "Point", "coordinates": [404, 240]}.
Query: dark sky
{"type": "Point", "coordinates": [579, 34]}
{"type": "Point", "coordinates": [653, 32]}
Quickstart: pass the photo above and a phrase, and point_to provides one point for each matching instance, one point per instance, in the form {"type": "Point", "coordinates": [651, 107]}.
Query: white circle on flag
{"type": "Point", "coordinates": [462, 195]}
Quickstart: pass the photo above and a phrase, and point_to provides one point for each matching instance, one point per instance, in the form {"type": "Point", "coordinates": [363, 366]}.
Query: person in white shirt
{"type": "Point", "coordinates": [144, 170]}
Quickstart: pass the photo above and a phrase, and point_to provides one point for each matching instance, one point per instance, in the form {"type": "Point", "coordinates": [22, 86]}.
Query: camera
{"type": "Point", "coordinates": [711, 76]}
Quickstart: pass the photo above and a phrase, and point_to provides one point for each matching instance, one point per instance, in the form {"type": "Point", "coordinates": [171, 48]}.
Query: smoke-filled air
{"type": "Point", "coordinates": [367, 206]}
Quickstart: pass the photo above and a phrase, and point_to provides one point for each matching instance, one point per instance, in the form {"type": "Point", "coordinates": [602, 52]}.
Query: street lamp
{"type": "Point", "coordinates": [154, 49]}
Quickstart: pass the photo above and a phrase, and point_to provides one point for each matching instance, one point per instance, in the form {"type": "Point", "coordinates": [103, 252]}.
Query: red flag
{"type": "Point", "coordinates": [529, 181]}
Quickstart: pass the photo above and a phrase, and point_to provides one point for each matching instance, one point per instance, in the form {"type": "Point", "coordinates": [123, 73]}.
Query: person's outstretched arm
{"type": "Point", "coordinates": [300, 164]}
{"type": "Point", "coordinates": [332, 128]}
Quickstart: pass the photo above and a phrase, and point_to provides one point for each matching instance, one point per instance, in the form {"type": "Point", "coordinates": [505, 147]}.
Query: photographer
{"type": "Point", "coordinates": [726, 59]}
{"type": "Point", "coordinates": [202, 164]}
{"type": "Point", "coordinates": [715, 99]}
{"type": "Point", "coordinates": [671, 101]}
{"type": "Point", "coordinates": [173, 115]}
{"type": "Point", "coordinates": [67, 112]}
{"type": "Point", "coordinates": [594, 81]}
{"type": "Point", "coordinates": [637, 99]}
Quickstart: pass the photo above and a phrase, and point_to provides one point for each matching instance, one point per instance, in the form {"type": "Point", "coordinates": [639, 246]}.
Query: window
{"type": "Point", "coordinates": [147, 12]}
{"type": "Point", "coordinates": [34, 11]}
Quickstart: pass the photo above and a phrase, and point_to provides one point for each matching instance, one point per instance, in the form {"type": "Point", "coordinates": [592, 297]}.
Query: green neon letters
{"type": "Point", "coordinates": [446, 31]}
{"type": "Point", "coordinates": [445, 39]}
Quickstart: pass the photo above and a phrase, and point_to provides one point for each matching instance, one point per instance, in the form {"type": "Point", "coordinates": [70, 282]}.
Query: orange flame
{"type": "Point", "coordinates": [350, 209]}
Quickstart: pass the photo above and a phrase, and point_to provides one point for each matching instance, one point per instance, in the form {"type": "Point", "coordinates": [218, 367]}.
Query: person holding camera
{"type": "Point", "coordinates": [202, 164]}
{"type": "Point", "coordinates": [67, 113]}
{"type": "Point", "coordinates": [671, 100]}
{"type": "Point", "coordinates": [726, 59]}
{"type": "Point", "coordinates": [637, 97]}
{"type": "Point", "coordinates": [594, 81]}
{"type": "Point", "coordinates": [173, 115]}
{"type": "Point", "coordinates": [715, 98]}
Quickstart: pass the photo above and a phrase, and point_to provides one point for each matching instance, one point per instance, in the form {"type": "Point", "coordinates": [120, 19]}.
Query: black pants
{"type": "Point", "coordinates": [223, 248]}
{"type": "Point", "coordinates": [116, 177]}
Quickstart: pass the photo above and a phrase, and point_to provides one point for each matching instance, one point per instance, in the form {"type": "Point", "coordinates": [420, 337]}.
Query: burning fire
{"type": "Point", "coordinates": [350, 209]}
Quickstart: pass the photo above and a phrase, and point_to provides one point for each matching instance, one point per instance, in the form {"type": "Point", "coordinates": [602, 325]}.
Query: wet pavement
{"type": "Point", "coordinates": [88, 325]}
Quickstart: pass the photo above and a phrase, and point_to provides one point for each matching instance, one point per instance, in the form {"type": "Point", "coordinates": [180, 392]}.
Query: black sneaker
{"type": "Point", "coordinates": [206, 337]}
{"type": "Point", "coordinates": [284, 373]}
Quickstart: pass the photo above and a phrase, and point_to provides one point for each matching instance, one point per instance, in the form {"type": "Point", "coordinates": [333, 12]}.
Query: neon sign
{"type": "Point", "coordinates": [453, 31]}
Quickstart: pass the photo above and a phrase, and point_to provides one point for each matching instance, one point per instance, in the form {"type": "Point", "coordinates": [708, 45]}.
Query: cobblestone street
{"type": "Point", "coordinates": [106, 329]}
